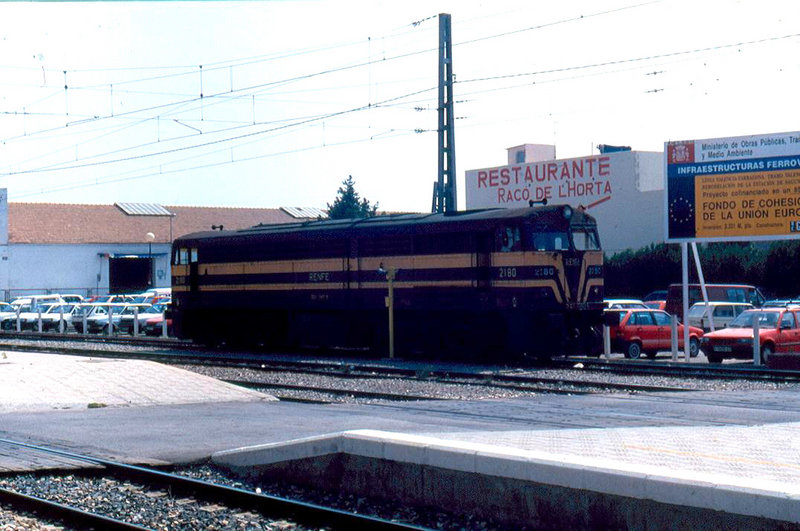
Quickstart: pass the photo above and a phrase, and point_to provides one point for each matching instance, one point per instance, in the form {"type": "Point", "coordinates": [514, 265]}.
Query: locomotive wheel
{"type": "Point", "coordinates": [634, 351]}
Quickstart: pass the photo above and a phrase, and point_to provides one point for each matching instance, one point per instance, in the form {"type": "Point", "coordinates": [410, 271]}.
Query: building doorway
{"type": "Point", "coordinates": [130, 274]}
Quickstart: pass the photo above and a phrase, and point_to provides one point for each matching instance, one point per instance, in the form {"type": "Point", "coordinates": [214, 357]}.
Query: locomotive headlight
{"type": "Point", "coordinates": [567, 212]}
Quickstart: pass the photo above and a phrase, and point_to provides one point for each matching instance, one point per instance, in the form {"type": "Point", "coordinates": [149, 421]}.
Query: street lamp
{"type": "Point", "coordinates": [150, 237]}
{"type": "Point", "coordinates": [390, 273]}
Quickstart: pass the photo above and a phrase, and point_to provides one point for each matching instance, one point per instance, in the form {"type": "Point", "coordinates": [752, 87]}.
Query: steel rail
{"type": "Point", "coordinates": [268, 505]}
{"type": "Point", "coordinates": [71, 516]}
{"type": "Point", "coordinates": [742, 371]}
{"type": "Point", "coordinates": [250, 384]}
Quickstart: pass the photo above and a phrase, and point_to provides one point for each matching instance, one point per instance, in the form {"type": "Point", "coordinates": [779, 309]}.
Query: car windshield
{"type": "Point", "coordinates": [697, 310]}
{"type": "Point", "coordinates": [626, 304]}
{"type": "Point", "coordinates": [60, 308]}
{"type": "Point", "coordinates": [131, 310]}
{"type": "Point", "coordinates": [44, 308]}
{"type": "Point", "coordinates": [766, 319]}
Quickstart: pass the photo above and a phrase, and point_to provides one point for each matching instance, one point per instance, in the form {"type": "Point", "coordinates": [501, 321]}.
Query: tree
{"type": "Point", "coordinates": [348, 205]}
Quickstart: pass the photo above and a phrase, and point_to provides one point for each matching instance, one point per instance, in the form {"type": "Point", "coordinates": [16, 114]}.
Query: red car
{"type": "Point", "coordinates": [656, 304]}
{"type": "Point", "coordinates": [778, 331]}
{"type": "Point", "coordinates": [644, 331]}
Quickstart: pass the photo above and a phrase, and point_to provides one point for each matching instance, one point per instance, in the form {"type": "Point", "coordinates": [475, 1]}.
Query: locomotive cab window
{"type": "Point", "coordinates": [585, 239]}
{"type": "Point", "coordinates": [550, 241]}
{"type": "Point", "coordinates": [184, 256]}
{"type": "Point", "coordinates": [507, 239]}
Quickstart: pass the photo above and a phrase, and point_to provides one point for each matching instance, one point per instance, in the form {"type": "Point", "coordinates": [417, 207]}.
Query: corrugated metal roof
{"type": "Point", "coordinates": [143, 209]}
{"type": "Point", "coordinates": [305, 212]}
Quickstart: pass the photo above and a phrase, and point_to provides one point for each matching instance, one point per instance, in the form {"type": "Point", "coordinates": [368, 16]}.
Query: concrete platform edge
{"type": "Point", "coordinates": [721, 493]}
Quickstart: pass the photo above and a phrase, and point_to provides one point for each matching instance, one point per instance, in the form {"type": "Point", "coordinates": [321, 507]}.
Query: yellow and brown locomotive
{"type": "Point", "coordinates": [483, 284]}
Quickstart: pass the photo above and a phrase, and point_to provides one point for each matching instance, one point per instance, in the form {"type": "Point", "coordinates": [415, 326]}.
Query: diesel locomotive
{"type": "Point", "coordinates": [473, 285]}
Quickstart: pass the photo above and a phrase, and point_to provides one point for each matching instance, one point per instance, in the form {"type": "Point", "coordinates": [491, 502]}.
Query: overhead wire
{"type": "Point", "coordinates": [300, 122]}
{"type": "Point", "coordinates": [214, 142]}
{"type": "Point", "coordinates": [62, 188]}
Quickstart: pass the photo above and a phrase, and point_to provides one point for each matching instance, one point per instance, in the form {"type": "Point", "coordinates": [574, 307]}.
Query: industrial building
{"type": "Point", "coordinates": [99, 249]}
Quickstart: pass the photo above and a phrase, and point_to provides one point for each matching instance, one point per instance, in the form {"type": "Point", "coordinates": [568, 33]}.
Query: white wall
{"type": "Point", "coordinates": [80, 269]}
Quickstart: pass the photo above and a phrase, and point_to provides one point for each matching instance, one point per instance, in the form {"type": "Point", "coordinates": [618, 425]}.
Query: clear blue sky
{"type": "Point", "coordinates": [296, 95]}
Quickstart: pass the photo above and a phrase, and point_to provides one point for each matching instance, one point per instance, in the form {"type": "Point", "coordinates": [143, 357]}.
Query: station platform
{"type": "Point", "coordinates": [648, 461]}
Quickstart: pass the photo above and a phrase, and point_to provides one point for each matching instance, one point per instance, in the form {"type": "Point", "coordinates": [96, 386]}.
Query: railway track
{"type": "Point", "coordinates": [338, 386]}
{"type": "Point", "coordinates": [742, 370]}
{"type": "Point", "coordinates": [594, 375]}
{"type": "Point", "coordinates": [216, 503]}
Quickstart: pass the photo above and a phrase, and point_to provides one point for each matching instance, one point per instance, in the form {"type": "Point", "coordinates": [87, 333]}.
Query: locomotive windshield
{"type": "Point", "coordinates": [550, 241]}
{"type": "Point", "coordinates": [585, 239]}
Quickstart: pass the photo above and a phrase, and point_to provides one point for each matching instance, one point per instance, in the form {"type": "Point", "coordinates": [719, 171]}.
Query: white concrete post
{"type": "Point", "coordinates": [606, 341]}
{"type": "Point", "coordinates": [163, 324]}
{"type": "Point", "coordinates": [39, 318]}
{"type": "Point", "coordinates": [673, 336]}
{"type": "Point", "coordinates": [685, 274]}
{"type": "Point", "coordinates": [19, 324]}
{"type": "Point", "coordinates": [110, 319]}
{"type": "Point", "coordinates": [135, 320]}
{"type": "Point", "coordinates": [756, 340]}
{"type": "Point", "coordinates": [60, 319]}
{"type": "Point", "coordinates": [84, 315]}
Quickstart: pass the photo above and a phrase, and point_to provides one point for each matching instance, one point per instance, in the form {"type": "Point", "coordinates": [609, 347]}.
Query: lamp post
{"type": "Point", "coordinates": [390, 273]}
{"type": "Point", "coordinates": [150, 237]}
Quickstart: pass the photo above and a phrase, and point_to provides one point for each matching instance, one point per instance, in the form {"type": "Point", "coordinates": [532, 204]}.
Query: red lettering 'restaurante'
{"type": "Point", "coordinates": [566, 170]}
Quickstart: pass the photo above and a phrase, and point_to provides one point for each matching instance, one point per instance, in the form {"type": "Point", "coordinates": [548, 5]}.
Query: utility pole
{"type": "Point", "coordinates": [444, 199]}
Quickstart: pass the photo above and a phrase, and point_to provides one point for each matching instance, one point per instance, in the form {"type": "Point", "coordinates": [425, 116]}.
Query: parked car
{"type": "Point", "coordinates": [657, 295]}
{"type": "Point", "coordinates": [7, 312]}
{"type": "Point", "coordinates": [36, 299]}
{"type": "Point", "coordinates": [722, 314]}
{"type": "Point", "coordinates": [71, 298]}
{"type": "Point", "coordinates": [778, 331]}
{"type": "Point", "coordinates": [716, 292]}
{"type": "Point", "coordinates": [623, 303]}
{"type": "Point", "coordinates": [51, 316]}
{"type": "Point", "coordinates": [636, 331]}
{"type": "Point", "coordinates": [105, 299]}
{"type": "Point", "coordinates": [781, 303]}
{"type": "Point", "coordinates": [655, 305]}
{"type": "Point", "coordinates": [8, 321]}
{"type": "Point", "coordinates": [96, 317]}
{"type": "Point", "coordinates": [155, 326]}
{"type": "Point", "coordinates": [145, 312]}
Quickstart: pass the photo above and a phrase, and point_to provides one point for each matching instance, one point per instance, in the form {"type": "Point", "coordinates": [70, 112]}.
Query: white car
{"type": "Point", "coordinates": [623, 304]}
{"type": "Point", "coordinates": [721, 312]}
{"type": "Point", "coordinates": [125, 324]}
{"type": "Point", "coordinates": [51, 316]}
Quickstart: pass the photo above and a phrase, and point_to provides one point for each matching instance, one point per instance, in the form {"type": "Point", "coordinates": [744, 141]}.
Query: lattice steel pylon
{"type": "Point", "coordinates": [444, 197]}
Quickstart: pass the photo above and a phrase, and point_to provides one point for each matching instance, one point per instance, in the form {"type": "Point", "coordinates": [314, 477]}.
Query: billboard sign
{"type": "Point", "coordinates": [584, 180]}
{"type": "Point", "coordinates": [737, 188]}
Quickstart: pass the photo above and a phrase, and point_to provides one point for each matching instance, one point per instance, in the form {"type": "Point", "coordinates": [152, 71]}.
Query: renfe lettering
{"type": "Point", "coordinates": [555, 172]}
